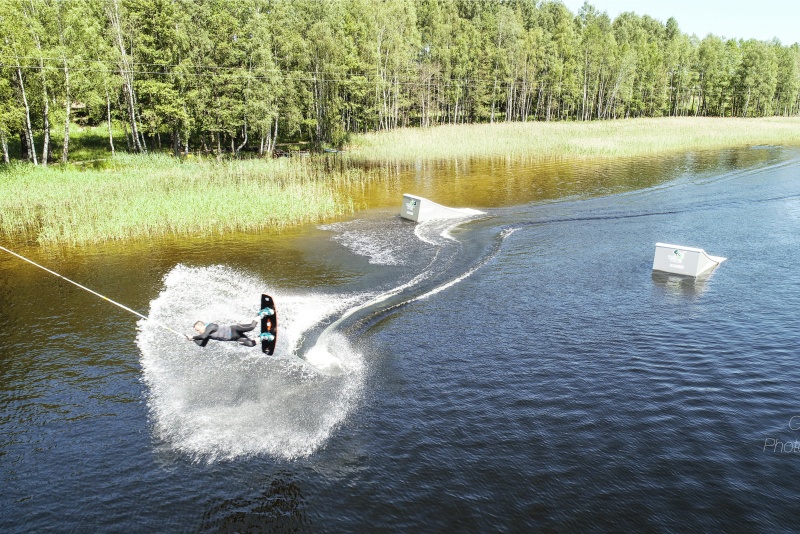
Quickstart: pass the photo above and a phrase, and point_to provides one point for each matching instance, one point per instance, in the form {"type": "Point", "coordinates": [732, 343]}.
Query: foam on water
{"type": "Point", "coordinates": [383, 240]}
{"type": "Point", "coordinates": [432, 230]}
{"type": "Point", "coordinates": [374, 239]}
{"type": "Point", "coordinates": [226, 401]}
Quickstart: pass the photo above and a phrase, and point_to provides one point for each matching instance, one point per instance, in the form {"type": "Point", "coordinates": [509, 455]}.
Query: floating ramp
{"type": "Point", "coordinates": [420, 209]}
{"type": "Point", "coordinates": [689, 261]}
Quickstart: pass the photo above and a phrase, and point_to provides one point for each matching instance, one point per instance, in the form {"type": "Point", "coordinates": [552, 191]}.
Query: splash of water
{"type": "Point", "coordinates": [226, 401]}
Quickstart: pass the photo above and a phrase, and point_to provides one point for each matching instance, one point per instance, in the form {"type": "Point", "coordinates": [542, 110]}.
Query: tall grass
{"type": "Point", "coordinates": [573, 140]}
{"type": "Point", "coordinates": [151, 196]}
{"type": "Point", "coordinates": [156, 196]}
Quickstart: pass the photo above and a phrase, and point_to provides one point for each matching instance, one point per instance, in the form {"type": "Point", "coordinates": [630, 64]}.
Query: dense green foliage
{"type": "Point", "coordinates": [220, 76]}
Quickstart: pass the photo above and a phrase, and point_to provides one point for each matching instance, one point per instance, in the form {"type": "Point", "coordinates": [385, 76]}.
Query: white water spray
{"type": "Point", "coordinates": [226, 401]}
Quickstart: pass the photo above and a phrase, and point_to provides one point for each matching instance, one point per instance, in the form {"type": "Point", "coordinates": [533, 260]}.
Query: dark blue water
{"type": "Point", "coordinates": [526, 370]}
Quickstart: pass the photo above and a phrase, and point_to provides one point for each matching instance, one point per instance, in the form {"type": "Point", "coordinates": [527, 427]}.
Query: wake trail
{"type": "Point", "coordinates": [443, 271]}
{"type": "Point", "coordinates": [226, 401]}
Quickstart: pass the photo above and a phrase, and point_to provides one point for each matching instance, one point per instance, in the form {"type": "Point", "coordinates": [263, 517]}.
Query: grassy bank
{"type": "Point", "coordinates": [156, 196]}
{"type": "Point", "coordinates": [574, 140]}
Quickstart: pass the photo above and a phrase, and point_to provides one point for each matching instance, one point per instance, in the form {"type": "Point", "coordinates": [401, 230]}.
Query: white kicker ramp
{"type": "Point", "coordinates": [683, 260]}
{"type": "Point", "coordinates": [421, 209]}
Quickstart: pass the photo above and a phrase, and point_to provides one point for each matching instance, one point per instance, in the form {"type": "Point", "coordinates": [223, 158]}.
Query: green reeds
{"type": "Point", "coordinates": [153, 196]}
{"type": "Point", "coordinates": [156, 196]}
{"type": "Point", "coordinates": [573, 140]}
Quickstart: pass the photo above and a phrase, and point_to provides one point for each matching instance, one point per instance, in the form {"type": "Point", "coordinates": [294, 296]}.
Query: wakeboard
{"type": "Point", "coordinates": [269, 325]}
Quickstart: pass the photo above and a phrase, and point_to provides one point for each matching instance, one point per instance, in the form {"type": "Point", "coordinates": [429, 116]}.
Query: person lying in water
{"type": "Point", "coordinates": [234, 332]}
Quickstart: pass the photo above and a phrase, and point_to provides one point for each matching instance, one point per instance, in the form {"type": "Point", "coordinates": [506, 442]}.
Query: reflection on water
{"type": "Point", "coordinates": [680, 285]}
{"type": "Point", "coordinates": [493, 183]}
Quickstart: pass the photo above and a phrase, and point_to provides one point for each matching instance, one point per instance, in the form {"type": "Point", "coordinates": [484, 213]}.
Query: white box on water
{"type": "Point", "coordinates": [677, 259]}
{"type": "Point", "coordinates": [421, 209]}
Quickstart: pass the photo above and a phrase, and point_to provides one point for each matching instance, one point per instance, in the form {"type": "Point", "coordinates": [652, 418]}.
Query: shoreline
{"type": "Point", "coordinates": [145, 197]}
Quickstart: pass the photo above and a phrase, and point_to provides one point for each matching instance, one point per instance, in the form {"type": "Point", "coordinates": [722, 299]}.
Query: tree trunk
{"type": "Point", "coordinates": [396, 101]}
{"type": "Point", "coordinates": [244, 141]}
{"type": "Point", "coordinates": [46, 129]}
{"type": "Point", "coordinates": [126, 73]}
{"type": "Point", "coordinates": [24, 146]}
{"type": "Point", "coordinates": [274, 138]}
{"type": "Point", "coordinates": [110, 130]}
{"type": "Point", "coordinates": [128, 90]}
{"type": "Point", "coordinates": [699, 103]}
{"type": "Point", "coordinates": [28, 128]}
{"type": "Point", "coordinates": [746, 103]}
{"type": "Point", "coordinates": [4, 144]}
{"type": "Point", "coordinates": [188, 134]}
{"type": "Point", "coordinates": [494, 92]}
{"type": "Point", "coordinates": [46, 106]}
{"type": "Point", "coordinates": [176, 142]}
{"type": "Point", "coordinates": [585, 85]}
{"type": "Point", "coordinates": [142, 141]}
{"type": "Point", "coordinates": [512, 89]}
{"type": "Point", "coordinates": [318, 111]}
{"type": "Point", "coordinates": [67, 110]}
{"type": "Point", "coordinates": [422, 103]}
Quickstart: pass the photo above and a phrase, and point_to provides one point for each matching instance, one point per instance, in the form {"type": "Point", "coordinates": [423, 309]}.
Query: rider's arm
{"type": "Point", "coordinates": [202, 339]}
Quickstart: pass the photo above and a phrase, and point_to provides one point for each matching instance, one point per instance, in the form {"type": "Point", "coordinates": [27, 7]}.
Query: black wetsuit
{"type": "Point", "coordinates": [234, 332]}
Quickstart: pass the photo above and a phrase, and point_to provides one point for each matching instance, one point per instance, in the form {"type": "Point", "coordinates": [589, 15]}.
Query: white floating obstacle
{"type": "Point", "coordinates": [683, 260]}
{"type": "Point", "coordinates": [421, 209]}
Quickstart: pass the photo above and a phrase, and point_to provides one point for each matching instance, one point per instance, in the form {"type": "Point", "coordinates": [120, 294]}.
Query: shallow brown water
{"type": "Point", "coordinates": [508, 182]}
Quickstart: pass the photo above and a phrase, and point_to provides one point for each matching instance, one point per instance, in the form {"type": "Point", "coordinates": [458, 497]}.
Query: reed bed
{"type": "Point", "coordinates": [573, 140]}
{"type": "Point", "coordinates": [156, 196]}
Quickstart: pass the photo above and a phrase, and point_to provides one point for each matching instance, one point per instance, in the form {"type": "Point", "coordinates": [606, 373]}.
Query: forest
{"type": "Point", "coordinates": [222, 78]}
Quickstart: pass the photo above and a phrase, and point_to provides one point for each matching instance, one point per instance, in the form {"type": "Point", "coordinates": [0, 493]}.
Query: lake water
{"type": "Point", "coordinates": [521, 370]}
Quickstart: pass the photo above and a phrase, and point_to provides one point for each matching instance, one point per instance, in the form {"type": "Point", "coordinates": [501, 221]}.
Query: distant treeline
{"type": "Point", "coordinates": [226, 76]}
